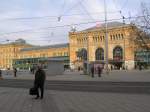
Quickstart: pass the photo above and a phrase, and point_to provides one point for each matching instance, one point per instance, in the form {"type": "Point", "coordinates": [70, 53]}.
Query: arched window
{"type": "Point", "coordinates": [118, 53]}
{"type": "Point", "coordinates": [99, 54]}
{"type": "Point", "coordinates": [82, 54]}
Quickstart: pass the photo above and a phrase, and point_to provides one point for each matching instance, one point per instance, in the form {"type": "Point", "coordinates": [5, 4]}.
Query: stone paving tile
{"type": "Point", "coordinates": [103, 102]}
{"type": "Point", "coordinates": [18, 100]}
{"type": "Point", "coordinates": [129, 76]}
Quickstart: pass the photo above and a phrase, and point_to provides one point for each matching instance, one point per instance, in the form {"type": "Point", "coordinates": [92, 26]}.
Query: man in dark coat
{"type": "Point", "coordinates": [15, 72]}
{"type": "Point", "coordinates": [99, 71]}
{"type": "Point", "coordinates": [39, 81]}
{"type": "Point", "coordinates": [0, 74]}
{"type": "Point", "coordinates": [92, 70]}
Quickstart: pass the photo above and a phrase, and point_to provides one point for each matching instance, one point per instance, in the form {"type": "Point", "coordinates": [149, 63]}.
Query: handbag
{"type": "Point", "coordinates": [33, 91]}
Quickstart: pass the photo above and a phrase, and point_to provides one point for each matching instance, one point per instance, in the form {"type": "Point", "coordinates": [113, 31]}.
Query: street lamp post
{"type": "Point", "coordinates": [87, 54]}
{"type": "Point", "coordinates": [124, 41]}
{"type": "Point", "coordinates": [106, 38]}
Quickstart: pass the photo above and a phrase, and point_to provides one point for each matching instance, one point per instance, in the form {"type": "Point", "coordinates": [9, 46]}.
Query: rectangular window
{"type": "Point", "coordinates": [54, 54]}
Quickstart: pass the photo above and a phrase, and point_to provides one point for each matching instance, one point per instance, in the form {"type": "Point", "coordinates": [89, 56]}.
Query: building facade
{"type": "Point", "coordinates": [125, 48]}
{"type": "Point", "coordinates": [21, 55]}
{"type": "Point", "coordinates": [30, 57]}
{"type": "Point", "coordinates": [88, 46]}
{"type": "Point", "coordinates": [10, 51]}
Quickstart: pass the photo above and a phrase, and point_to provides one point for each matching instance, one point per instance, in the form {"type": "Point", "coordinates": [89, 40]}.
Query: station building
{"type": "Point", "coordinates": [126, 49]}
{"type": "Point", "coordinates": [10, 51]}
{"type": "Point", "coordinates": [30, 57]}
{"type": "Point", "coordinates": [124, 42]}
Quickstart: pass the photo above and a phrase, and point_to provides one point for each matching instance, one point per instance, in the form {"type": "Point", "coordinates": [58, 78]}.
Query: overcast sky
{"type": "Point", "coordinates": [37, 20]}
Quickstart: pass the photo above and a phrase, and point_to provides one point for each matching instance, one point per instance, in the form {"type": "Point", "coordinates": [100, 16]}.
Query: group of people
{"type": "Point", "coordinates": [99, 70]}
{"type": "Point", "coordinates": [38, 82]}
{"type": "Point", "coordinates": [7, 72]}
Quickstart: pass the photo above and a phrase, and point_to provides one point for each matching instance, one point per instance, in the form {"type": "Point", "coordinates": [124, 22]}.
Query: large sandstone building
{"type": "Point", "coordinates": [126, 48]}
{"type": "Point", "coordinates": [89, 45]}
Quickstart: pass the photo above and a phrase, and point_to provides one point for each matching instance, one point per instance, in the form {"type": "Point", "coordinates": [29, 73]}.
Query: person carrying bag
{"type": "Point", "coordinates": [38, 83]}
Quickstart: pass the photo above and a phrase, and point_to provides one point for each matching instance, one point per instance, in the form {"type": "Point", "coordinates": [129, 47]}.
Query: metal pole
{"type": "Point", "coordinates": [124, 40]}
{"type": "Point", "coordinates": [87, 55]}
{"type": "Point", "coordinates": [106, 38]}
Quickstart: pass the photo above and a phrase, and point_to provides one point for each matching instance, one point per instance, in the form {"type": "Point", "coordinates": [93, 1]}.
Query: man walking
{"type": "Point", "coordinates": [15, 72]}
{"type": "Point", "coordinates": [39, 81]}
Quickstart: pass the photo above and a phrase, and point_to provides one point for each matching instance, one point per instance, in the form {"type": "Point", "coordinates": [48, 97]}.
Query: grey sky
{"type": "Point", "coordinates": [39, 16]}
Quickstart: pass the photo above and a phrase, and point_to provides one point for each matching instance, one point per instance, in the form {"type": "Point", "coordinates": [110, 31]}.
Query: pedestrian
{"type": "Point", "coordinates": [15, 72]}
{"type": "Point", "coordinates": [140, 67]}
{"type": "Point", "coordinates": [0, 74]}
{"type": "Point", "coordinates": [111, 67]}
{"type": "Point", "coordinates": [7, 71]}
{"type": "Point", "coordinates": [99, 71]}
{"type": "Point", "coordinates": [33, 69]}
{"type": "Point", "coordinates": [78, 68]}
{"type": "Point", "coordinates": [39, 81]}
{"type": "Point", "coordinates": [92, 71]}
{"type": "Point", "coordinates": [126, 67]}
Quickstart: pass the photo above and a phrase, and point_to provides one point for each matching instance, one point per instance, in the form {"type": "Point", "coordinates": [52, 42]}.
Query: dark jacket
{"type": "Point", "coordinates": [0, 72]}
{"type": "Point", "coordinates": [39, 77]}
{"type": "Point", "coordinates": [92, 69]}
{"type": "Point", "coordinates": [99, 70]}
{"type": "Point", "coordinates": [15, 70]}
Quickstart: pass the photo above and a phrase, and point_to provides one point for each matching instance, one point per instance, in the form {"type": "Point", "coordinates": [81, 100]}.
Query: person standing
{"type": "Point", "coordinates": [92, 71]}
{"type": "Point", "coordinates": [99, 71]}
{"type": "Point", "coordinates": [39, 81]}
{"type": "Point", "coordinates": [15, 72]}
{"type": "Point", "coordinates": [0, 74]}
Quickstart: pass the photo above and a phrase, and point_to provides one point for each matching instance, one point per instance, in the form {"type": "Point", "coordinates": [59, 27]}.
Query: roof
{"type": "Point", "coordinates": [110, 25]}
{"type": "Point", "coordinates": [46, 47]}
{"type": "Point", "coordinates": [16, 42]}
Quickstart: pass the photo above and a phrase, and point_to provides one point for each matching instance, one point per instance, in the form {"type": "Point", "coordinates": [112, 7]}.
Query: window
{"type": "Point", "coordinates": [110, 37]}
{"type": "Point", "coordinates": [114, 37]}
{"type": "Point", "coordinates": [117, 37]}
{"type": "Point", "coordinates": [118, 53]}
{"type": "Point", "coordinates": [65, 53]}
{"type": "Point", "coordinates": [99, 54]}
{"type": "Point", "coordinates": [122, 36]}
{"type": "Point", "coordinates": [54, 54]}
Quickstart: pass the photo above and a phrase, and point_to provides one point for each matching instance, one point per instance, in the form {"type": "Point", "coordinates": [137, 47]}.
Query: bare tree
{"type": "Point", "coordinates": [141, 29]}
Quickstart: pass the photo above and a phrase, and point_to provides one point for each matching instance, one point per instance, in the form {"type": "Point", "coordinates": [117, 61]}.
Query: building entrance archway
{"type": "Point", "coordinates": [99, 54]}
{"type": "Point", "coordinates": [118, 57]}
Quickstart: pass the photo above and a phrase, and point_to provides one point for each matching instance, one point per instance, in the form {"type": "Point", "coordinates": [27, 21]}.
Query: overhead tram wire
{"type": "Point", "coordinates": [124, 4]}
{"type": "Point", "coordinates": [72, 7]}
{"type": "Point", "coordinates": [86, 11]}
{"type": "Point", "coordinates": [122, 7]}
{"type": "Point", "coordinates": [44, 17]}
{"type": "Point", "coordinates": [68, 25]}
{"type": "Point", "coordinates": [62, 9]}
{"type": "Point", "coordinates": [56, 16]}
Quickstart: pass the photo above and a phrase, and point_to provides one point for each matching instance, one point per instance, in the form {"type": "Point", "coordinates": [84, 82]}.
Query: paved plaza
{"type": "Point", "coordinates": [18, 100]}
{"type": "Point", "coordinates": [113, 76]}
